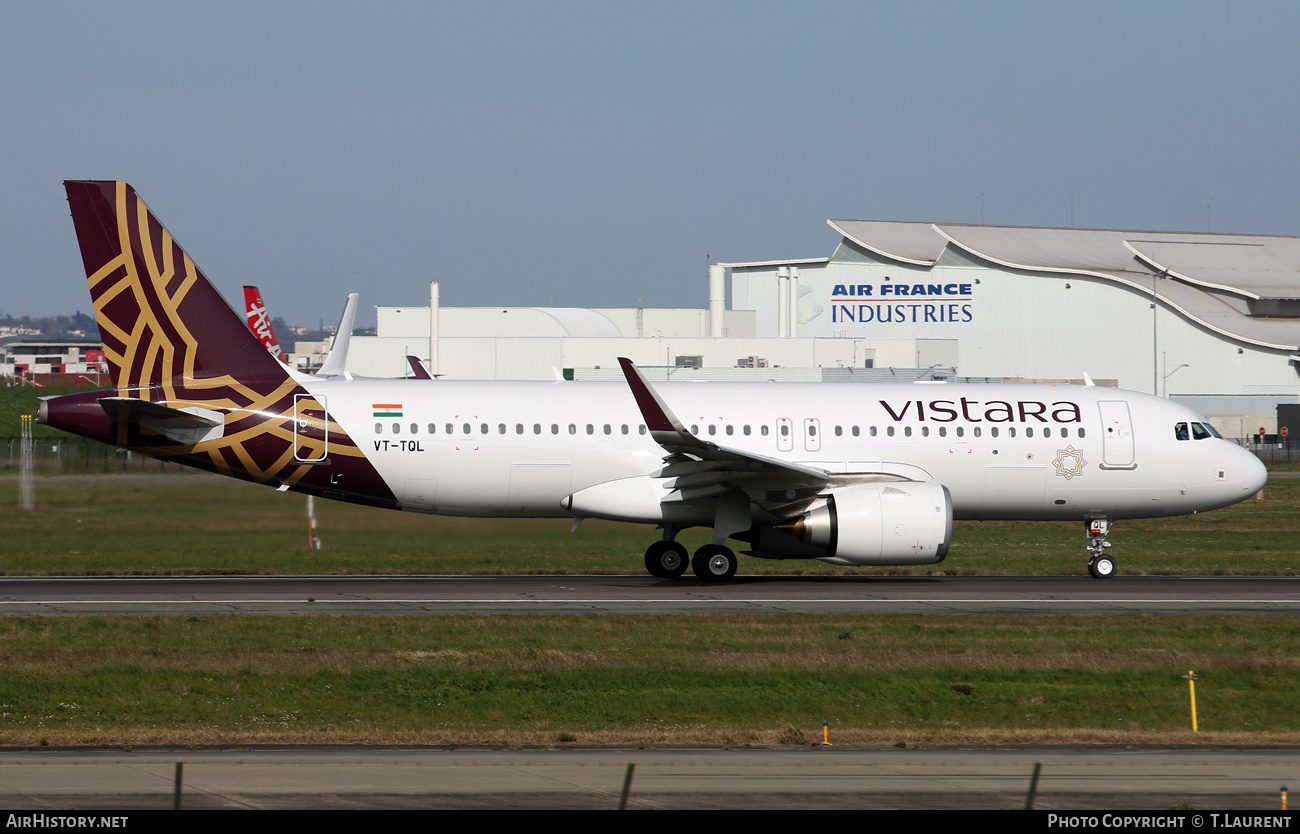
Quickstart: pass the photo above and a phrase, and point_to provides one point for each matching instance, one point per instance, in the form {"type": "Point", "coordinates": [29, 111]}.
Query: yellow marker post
{"type": "Point", "coordinates": [1191, 687]}
{"type": "Point", "coordinates": [1284, 797]}
{"type": "Point", "coordinates": [826, 733]}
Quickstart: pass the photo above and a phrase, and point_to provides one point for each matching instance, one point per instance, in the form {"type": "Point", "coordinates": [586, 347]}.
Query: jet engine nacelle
{"type": "Point", "coordinates": [895, 523]}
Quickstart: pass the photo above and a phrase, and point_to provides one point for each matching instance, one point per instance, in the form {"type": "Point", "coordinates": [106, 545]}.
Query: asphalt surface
{"type": "Point", "coordinates": [792, 777]}
{"type": "Point", "coordinates": [643, 594]}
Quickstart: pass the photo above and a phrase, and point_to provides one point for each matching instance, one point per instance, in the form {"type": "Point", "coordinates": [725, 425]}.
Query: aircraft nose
{"type": "Point", "coordinates": [1254, 473]}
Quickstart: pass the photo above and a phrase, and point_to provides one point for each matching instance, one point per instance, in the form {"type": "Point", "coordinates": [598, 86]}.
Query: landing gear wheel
{"type": "Point", "coordinates": [714, 563]}
{"type": "Point", "coordinates": [666, 560]}
{"type": "Point", "coordinates": [1102, 567]}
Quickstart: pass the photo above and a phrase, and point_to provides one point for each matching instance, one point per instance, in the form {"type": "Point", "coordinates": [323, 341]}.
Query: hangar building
{"type": "Point", "coordinates": [1212, 320]}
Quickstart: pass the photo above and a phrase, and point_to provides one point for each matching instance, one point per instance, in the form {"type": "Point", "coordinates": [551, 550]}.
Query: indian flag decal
{"type": "Point", "coordinates": [387, 409]}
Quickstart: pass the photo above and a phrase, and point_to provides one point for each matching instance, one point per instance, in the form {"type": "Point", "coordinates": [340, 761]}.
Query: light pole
{"type": "Point", "coordinates": [1165, 363]}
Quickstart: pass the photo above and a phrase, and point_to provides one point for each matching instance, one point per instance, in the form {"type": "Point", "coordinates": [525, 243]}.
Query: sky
{"type": "Point", "coordinates": [598, 154]}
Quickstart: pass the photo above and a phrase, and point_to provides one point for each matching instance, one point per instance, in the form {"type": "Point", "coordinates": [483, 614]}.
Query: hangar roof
{"type": "Point", "coordinates": [1216, 280]}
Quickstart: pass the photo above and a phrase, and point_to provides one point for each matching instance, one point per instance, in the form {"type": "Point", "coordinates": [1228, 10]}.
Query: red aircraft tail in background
{"type": "Point", "coordinates": [259, 321]}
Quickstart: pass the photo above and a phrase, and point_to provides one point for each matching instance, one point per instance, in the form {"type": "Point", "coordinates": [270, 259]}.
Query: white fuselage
{"type": "Point", "coordinates": [1003, 451]}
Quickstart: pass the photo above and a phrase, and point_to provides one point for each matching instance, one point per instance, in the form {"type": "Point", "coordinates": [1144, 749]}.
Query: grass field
{"type": "Point", "coordinates": [196, 524]}
{"type": "Point", "coordinates": [646, 680]}
{"type": "Point", "coordinates": [524, 680]}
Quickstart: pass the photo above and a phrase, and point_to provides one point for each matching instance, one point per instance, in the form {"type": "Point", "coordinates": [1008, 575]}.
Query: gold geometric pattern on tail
{"type": "Point", "coordinates": [137, 304]}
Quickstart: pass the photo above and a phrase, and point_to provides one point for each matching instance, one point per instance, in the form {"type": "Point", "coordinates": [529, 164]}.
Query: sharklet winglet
{"type": "Point", "coordinates": [338, 357]}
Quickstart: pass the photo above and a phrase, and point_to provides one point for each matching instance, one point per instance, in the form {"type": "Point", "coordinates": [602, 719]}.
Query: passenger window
{"type": "Point", "coordinates": [1065, 432]}
{"type": "Point", "coordinates": [640, 429]}
{"type": "Point", "coordinates": [415, 429]}
{"type": "Point", "coordinates": [397, 428]}
{"type": "Point", "coordinates": [961, 431]}
{"type": "Point", "coordinates": [573, 428]}
{"type": "Point", "coordinates": [1029, 431]}
{"type": "Point", "coordinates": [607, 428]}
{"type": "Point", "coordinates": [1081, 432]}
{"type": "Point", "coordinates": [713, 429]}
{"type": "Point", "coordinates": [451, 429]}
{"type": "Point", "coordinates": [1047, 431]}
{"type": "Point", "coordinates": [925, 431]}
{"type": "Point", "coordinates": [907, 430]}
{"type": "Point", "coordinates": [943, 431]}
{"type": "Point", "coordinates": [977, 431]}
{"type": "Point", "coordinates": [730, 431]}
{"type": "Point", "coordinates": [537, 428]}
{"type": "Point", "coordinates": [993, 431]}
{"type": "Point", "coordinates": [483, 428]}
{"type": "Point", "coordinates": [762, 430]}
{"type": "Point", "coordinates": [625, 428]}
{"type": "Point", "coordinates": [501, 428]}
{"type": "Point", "coordinates": [591, 429]}
{"type": "Point", "coordinates": [890, 431]}
{"type": "Point", "coordinates": [555, 428]}
{"type": "Point", "coordinates": [785, 430]}
{"type": "Point", "coordinates": [855, 431]}
{"type": "Point", "coordinates": [812, 431]}
{"type": "Point", "coordinates": [745, 431]}
{"type": "Point", "coordinates": [872, 431]}
{"type": "Point", "coordinates": [695, 429]}
{"type": "Point", "coordinates": [1011, 431]}
{"type": "Point", "coordinates": [519, 428]}
{"type": "Point", "coordinates": [433, 428]}
{"type": "Point", "coordinates": [379, 428]}
{"type": "Point", "coordinates": [466, 428]}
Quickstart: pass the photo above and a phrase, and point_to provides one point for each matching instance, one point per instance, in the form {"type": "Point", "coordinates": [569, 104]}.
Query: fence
{"type": "Point", "coordinates": [78, 454]}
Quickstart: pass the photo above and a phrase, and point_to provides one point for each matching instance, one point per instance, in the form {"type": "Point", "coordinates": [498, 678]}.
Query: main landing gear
{"type": "Point", "coordinates": [1100, 566]}
{"type": "Point", "coordinates": [667, 559]}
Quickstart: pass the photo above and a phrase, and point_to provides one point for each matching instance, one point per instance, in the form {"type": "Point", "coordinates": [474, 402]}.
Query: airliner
{"type": "Point", "coordinates": [855, 475]}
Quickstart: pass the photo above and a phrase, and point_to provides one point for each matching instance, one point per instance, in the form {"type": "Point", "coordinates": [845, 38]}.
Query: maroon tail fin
{"type": "Point", "coordinates": [162, 321]}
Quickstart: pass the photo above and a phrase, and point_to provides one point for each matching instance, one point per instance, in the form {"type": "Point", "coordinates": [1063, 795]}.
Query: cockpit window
{"type": "Point", "coordinates": [1200, 432]}
{"type": "Point", "coordinates": [1213, 431]}
{"type": "Point", "coordinates": [1180, 431]}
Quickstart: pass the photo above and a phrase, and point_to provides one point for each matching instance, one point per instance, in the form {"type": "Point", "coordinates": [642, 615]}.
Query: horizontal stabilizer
{"type": "Point", "coordinates": [186, 425]}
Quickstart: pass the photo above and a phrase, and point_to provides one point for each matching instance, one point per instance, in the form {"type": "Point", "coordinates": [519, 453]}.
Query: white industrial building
{"type": "Point", "coordinates": [1212, 320]}
{"type": "Point", "coordinates": [538, 342]}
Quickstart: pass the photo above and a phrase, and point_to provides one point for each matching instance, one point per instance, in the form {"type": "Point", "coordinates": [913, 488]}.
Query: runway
{"type": "Point", "coordinates": [863, 777]}
{"type": "Point", "coordinates": [428, 595]}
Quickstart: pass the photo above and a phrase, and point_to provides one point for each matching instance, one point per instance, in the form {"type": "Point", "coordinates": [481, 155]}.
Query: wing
{"type": "Point", "coordinates": [697, 469]}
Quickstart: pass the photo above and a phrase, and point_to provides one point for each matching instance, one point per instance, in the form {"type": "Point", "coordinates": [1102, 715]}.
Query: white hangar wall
{"type": "Point", "coordinates": [1013, 323]}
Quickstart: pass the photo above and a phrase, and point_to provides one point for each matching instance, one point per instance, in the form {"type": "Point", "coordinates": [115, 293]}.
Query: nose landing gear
{"type": "Point", "coordinates": [1100, 566]}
